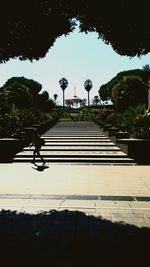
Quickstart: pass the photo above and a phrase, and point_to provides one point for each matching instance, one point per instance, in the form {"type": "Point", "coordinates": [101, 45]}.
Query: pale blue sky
{"type": "Point", "coordinates": [76, 57]}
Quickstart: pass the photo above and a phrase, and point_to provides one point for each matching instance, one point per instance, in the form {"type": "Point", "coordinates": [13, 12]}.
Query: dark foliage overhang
{"type": "Point", "coordinates": [28, 28]}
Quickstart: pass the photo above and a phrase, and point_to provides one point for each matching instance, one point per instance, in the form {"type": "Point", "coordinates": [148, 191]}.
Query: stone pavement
{"type": "Point", "coordinates": [117, 193]}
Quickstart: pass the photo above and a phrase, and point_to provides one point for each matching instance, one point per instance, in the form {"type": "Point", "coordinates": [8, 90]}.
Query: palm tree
{"type": "Point", "coordinates": [63, 84]}
{"type": "Point", "coordinates": [88, 85]}
{"type": "Point", "coordinates": [146, 67]}
{"type": "Point", "coordinates": [55, 97]}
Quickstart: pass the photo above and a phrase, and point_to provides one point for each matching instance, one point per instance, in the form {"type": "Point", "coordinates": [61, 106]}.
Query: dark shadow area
{"type": "Point", "coordinates": [69, 238]}
{"type": "Point", "coordinates": [40, 168]}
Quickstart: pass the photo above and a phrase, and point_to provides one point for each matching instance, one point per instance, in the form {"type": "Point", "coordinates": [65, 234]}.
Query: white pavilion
{"type": "Point", "coordinates": [75, 102]}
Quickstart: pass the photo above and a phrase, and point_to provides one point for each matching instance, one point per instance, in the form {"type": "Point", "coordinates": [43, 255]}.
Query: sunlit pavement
{"type": "Point", "coordinates": [117, 193]}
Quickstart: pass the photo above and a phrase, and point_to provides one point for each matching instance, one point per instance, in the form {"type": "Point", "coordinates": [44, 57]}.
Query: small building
{"type": "Point", "coordinates": [75, 102]}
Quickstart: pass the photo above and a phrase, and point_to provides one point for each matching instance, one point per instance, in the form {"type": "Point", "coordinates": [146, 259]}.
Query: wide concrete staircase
{"type": "Point", "coordinates": [77, 143]}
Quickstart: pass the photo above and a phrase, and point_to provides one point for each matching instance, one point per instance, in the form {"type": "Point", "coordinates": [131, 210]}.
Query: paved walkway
{"type": "Point", "coordinates": [117, 193]}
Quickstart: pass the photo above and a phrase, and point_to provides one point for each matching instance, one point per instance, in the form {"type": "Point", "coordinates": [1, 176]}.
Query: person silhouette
{"type": "Point", "coordinates": [37, 141]}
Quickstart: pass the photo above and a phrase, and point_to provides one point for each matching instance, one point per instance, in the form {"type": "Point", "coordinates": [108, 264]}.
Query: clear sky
{"type": "Point", "coordinates": [76, 57]}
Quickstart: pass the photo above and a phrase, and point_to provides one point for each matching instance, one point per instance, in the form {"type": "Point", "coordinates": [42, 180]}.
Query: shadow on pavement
{"type": "Point", "coordinates": [66, 238]}
{"type": "Point", "coordinates": [40, 168]}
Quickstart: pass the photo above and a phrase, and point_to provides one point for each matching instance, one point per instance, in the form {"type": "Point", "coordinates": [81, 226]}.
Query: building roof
{"type": "Point", "coordinates": [74, 99]}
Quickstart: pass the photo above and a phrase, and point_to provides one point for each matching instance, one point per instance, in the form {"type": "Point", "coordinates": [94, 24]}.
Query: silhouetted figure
{"type": "Point", "coordinates": [37, 142]}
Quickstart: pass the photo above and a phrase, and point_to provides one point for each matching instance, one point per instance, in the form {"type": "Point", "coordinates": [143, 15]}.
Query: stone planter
{"type": "Point", "coordinates": [106, 127]}
{"type": "Point", "coordinates": [43, 127]}
{"type": "Point", "coordinates": [52, 123]}
{"type": "Point", "coordinates": [112, 131]}
{"type": "Point", "coordinates": [138, 149]}
{"type": "Point", "coordinates": [9, 147]}
{"type": "Point", "coordinates": [123, 127]}
{"type": "Point", "coordinates": [122, 135]}
{"type": "Point", "coordinates": [38, 127]}
{"type": "Point", "coordinates": [119, 135]}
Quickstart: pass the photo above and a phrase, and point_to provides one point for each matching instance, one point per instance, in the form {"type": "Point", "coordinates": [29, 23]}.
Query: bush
{"type": "Point", "coordinates": [141, 128]}
{"type": "Point", "coordinates": [115, 118]}
{"type": "Point", "coordinates": [104, 113]}
{"type": "Point", "coordinates": [131, 91]}
{"type": "Point", "coordinates": [18, 119]}
{"type": "Point", "coordinates": [138, 121]}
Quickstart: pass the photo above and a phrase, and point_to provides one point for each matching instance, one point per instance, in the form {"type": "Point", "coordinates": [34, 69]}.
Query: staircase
{"type": "Point", "coordinates": [77, 143]}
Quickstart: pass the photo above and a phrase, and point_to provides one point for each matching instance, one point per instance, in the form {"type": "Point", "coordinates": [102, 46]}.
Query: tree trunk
{"type": "Point", "coordinates": [88, 98]}
{"type": "Point", "coordinates": [63, 98]}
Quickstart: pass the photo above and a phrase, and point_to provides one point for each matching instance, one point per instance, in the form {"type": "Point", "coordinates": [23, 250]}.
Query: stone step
{"type": "Point", "coordinates": [76, 140]}
{"type": "Point", "coordinates": [77, 143]}
{"type": "Point", "coordinates": [74, 136]}
{"type": "Point", "coordinates": [76, 148]}
{"type": "Point", "coordinates": [108, 160]}
{"type": "Point", "coordinates": [51, 131]}
{"type": "Point", "coordinates": [79, 154]}
{"type": "Point", "coordinates": [74, 131]}
{"type": "Point", "coordinates": [80, 143]}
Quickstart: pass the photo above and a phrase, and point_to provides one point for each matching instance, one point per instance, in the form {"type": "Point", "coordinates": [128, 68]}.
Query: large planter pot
{"type": "Point", "coordinates": [9, 147]}
{"type": "Point", "coordinates": [138, 149]}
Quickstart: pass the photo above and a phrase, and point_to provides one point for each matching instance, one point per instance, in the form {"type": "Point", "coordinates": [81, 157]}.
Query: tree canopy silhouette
{"type": "Point", "coordinates": [29, 28]}
{"type": "Point", "coordinates": [23, 93]}
{"type": "Point", "coordinates": [127, 88]}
